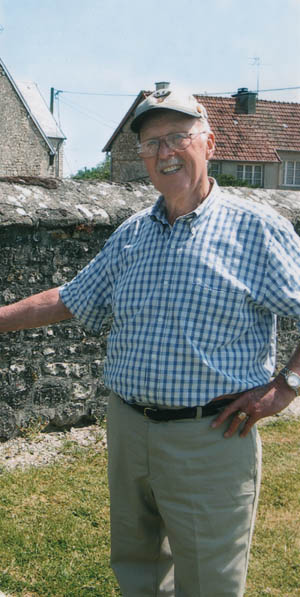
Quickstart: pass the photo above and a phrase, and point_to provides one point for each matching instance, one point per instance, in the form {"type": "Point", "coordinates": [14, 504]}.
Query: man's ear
{"type": "Point", "coordinates": [210, 146]}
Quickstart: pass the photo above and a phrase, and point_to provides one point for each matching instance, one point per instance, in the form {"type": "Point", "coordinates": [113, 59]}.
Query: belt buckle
{"type": "Point", "coordinates": [148, 409]}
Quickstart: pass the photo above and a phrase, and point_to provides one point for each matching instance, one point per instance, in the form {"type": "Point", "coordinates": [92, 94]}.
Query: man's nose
{"type": "Point", "coordinates": [163, 149]}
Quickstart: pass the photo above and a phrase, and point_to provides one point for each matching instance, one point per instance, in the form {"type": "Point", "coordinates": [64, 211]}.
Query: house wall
{"type": "Point", "coordinates": [126, 166]}
{"type": "Point", "coordinates": [271, 173]}
{"type": "Point", "coordinates": [23, 151]}
{"type": "Point", "coordinates": [58, 164]}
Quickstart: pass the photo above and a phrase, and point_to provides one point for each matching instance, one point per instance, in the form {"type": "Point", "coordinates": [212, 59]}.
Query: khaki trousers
{"type": "Point", "coordinates": [183, 502]}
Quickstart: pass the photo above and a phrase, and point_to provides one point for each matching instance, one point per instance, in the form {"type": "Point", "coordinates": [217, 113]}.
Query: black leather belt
{"type": "Point", "coordinates": [169, 414]}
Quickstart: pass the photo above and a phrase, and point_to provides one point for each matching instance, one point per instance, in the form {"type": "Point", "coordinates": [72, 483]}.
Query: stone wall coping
{"type": "Point", "coordinates": [107, 204]}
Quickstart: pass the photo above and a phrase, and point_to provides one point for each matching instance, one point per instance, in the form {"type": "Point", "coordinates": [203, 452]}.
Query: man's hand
{"type": "Point", "coordinates": [260, 402]}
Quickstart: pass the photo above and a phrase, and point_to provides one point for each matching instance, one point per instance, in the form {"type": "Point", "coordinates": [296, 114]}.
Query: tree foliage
{"type": "Point", "coordinates": [227, 180]}
{"type": "Point", "coordinates": [99, 172]}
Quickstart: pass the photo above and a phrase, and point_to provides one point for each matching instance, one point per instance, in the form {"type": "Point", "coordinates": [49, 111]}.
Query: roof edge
{"type": "Point", "coordinates": [142, 95]}
{"type": "Point", "coordinates": [26, 106]}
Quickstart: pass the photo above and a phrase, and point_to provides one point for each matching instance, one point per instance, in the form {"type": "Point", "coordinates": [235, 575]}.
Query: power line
{"type": "Point", "coordinates": [85, 113]}
{"type": "Point", "coordinates": [135, 94]}
{"type": "Point", "coordinates": [94, 116]}
{"type": "Point", "coordinates": [259, 90]}
{"type": "Point", "coordinates": [105, 94]}
{"type": "Point", "coordinates": [87, 110]}
{"type": "Point", "coordinates": [280, 89]}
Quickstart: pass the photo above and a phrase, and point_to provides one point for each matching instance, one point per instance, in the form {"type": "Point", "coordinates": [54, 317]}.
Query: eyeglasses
{"type": "Point", "coordinates": [174, 141]}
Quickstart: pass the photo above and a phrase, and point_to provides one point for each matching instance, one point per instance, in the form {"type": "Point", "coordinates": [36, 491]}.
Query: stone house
{"type": "Point", "coordinates": [256, 140]}
{"type": "Point", "coordinates": [31, 142]}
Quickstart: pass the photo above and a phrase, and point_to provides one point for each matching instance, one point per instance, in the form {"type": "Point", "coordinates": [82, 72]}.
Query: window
{"type": "Point", "coordinates": [214, 169]}
{"type": "Point", "coordinates": [253, 175]}
{"type": "Point", "coordinates": [291, 173]}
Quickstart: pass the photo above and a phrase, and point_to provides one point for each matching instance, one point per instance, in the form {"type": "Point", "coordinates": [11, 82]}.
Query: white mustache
{"type": "Point", "coordinates": [167, 163]}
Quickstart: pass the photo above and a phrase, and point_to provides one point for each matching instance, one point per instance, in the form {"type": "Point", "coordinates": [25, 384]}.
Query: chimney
{"type": "Point", "coordinates": [162, 85]}
{"type": "Point", "coordinates": [245, 101]}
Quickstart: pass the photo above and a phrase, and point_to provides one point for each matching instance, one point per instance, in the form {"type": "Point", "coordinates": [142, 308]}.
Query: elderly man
{"type": "Point", "coordinates": [194, 285]}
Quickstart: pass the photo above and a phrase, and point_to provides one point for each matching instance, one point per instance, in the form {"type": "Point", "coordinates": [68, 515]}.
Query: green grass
{"type": "Point", "coordinates": [54, 530]}
{"type": "Point", "coordinates": [54, 525]}
{"type": "Point", "coordinates": [275, 557]}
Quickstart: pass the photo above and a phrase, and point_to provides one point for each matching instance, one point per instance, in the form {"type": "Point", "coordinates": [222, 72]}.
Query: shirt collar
{"type": "Point", "coordinates": [158, 211]}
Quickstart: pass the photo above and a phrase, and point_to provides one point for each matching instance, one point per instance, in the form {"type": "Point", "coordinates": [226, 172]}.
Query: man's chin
{"type": "Point", "coordinates": [169, 183]}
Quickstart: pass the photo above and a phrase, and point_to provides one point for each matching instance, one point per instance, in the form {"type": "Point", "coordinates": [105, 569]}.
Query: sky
{"type": "Point", "coordinates": [115, 48]}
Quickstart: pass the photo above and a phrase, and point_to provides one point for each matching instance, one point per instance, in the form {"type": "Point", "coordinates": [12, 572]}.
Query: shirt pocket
{"type": "Point", "coordinates": [213, 317]}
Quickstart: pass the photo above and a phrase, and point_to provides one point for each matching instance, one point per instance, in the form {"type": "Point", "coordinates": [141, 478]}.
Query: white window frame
{"type": "Point", "coordinates": [291, 173]}
{"type": "Point", "coordinates": [248, 172]}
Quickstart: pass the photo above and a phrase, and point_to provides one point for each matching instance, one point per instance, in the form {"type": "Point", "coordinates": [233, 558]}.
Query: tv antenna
{"type": "Point", "coordinates": [256, 62]}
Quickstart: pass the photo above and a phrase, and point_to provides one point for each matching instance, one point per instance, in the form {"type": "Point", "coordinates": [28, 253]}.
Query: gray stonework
{"type": "Point", "coordinates": [54, 374]}
{"type": "Point", "coordinates": [23, 150]}
{"type": "Point", "coordinates": [126, 165]}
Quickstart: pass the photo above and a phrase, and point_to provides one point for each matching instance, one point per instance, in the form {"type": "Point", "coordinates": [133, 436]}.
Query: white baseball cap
{"type": "Point", "coordinates": [166, 99]}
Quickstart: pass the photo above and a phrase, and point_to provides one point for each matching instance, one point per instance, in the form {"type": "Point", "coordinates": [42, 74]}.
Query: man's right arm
{"type": "Point", "coordinates": [37, 310]}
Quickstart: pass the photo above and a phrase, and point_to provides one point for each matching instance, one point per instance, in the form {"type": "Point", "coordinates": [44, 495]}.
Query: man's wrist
{"type": "Point", "coordinates": [292, 379]}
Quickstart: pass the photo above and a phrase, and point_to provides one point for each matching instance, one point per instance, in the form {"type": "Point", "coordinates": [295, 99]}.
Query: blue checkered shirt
{"type": "Point", "coordinates": [194, 305]}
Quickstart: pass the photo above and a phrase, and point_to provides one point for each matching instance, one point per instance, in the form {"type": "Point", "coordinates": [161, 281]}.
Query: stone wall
{"type": "Point", "coordinates": [23, 150]}
{"type": "Point", "coordinates": [46, 237]}
{"type": "Point", "coordinates": [54, 374]}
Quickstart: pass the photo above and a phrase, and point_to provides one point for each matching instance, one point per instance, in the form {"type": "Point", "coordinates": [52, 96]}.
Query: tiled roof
{"type": "Point", "coordinates": [244, 137]}
{"type": "Point", "coordinates": [253, 137]}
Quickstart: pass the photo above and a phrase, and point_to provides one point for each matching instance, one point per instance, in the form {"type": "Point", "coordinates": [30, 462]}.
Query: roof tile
{"type": "Point", "coordinates": [253, 137]}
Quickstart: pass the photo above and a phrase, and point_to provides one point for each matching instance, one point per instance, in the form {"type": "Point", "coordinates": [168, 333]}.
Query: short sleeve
{"type": "Point", "coordinates": [282, 279]}
{"type": "Point", "coordinates": [88, 295]}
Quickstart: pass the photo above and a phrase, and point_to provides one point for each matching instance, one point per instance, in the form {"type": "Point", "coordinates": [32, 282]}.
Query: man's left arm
{"type": "Point", "coordinates": [281, 296]}
{"type": "Point", "coordinates": [262, 401]}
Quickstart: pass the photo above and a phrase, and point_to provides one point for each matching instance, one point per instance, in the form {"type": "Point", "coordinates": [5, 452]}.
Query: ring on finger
{"type": "Point", "coordinates": [242, 415]}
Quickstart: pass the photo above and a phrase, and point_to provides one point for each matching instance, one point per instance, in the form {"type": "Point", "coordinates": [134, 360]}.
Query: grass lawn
{"type": "Point", "coordinates": [275, 557]}
{"type": "Point", "coordinates": [54, 525]}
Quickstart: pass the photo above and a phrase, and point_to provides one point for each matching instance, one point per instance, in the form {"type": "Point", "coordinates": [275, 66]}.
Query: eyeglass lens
{"type": "Point", "coordinates": [173, 141]}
